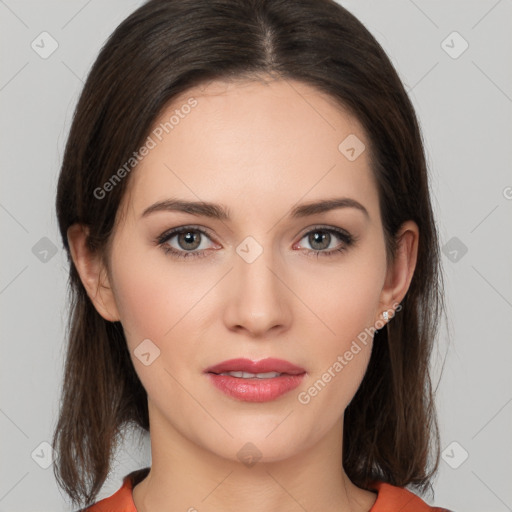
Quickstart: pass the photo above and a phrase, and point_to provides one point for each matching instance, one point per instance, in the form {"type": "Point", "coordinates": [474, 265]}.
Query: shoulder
{"type": "Point", "coordinates": [391, 498]}
{"type": "Point", "coordinates": [122, 499]}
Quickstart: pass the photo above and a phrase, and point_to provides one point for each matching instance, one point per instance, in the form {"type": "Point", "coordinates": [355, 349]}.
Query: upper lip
{"type": "Point", "coordinates": [269, 364]}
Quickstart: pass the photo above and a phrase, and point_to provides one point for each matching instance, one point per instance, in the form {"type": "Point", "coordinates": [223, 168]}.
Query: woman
{"type": "Point", "coordinates": [254, 266]}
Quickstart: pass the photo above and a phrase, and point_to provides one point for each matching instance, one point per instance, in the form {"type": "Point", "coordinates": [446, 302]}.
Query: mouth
{"type": "Point", "coordinates": [255, 381]}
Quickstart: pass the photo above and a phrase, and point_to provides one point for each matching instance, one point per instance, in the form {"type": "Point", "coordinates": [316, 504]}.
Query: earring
{"type": "Point", "coordinates": [385, 315]}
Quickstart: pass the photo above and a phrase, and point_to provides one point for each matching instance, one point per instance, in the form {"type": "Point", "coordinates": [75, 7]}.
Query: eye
{"type": "Point", "coordinates": [188, 243]}
{"type": "Point", "coordinates": [321, 239]}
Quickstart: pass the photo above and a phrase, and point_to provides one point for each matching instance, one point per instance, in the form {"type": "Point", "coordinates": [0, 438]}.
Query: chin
{"type": "Point", "coordinates": [262, 443]}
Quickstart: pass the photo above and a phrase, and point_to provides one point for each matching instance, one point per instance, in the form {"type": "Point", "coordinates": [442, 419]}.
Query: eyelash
{"type": "Point", "coordinates": [162, 240]}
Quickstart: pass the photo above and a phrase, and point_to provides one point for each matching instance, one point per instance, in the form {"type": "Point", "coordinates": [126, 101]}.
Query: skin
{"type": "Point", "coordinates": [259, 148]}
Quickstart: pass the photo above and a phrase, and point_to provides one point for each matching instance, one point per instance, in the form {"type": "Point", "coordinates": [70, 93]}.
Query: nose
{"type": "Point", "coordinates": [258, 301]}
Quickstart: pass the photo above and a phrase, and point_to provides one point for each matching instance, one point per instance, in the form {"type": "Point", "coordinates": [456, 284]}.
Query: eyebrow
{"type": "Point", "coordinates": [221, 212]}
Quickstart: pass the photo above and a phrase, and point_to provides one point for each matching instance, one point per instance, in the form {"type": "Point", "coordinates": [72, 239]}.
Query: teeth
{"type": "Point", "coordinates": [247, 375]}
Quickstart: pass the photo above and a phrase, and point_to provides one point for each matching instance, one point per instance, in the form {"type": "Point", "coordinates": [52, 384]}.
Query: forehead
{"type": "Point", "coordinates": [250, 142]}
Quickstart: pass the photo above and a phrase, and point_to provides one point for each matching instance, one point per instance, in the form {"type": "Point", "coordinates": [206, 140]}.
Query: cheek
{"type": "Point", "coordinates": [344, 299]}
{"type": "Point", "coordinates": [157, 302]}
{"type": "Point", "coordinates": [347, 301]}
{"type": "Point", "coordinates": [144, 301]}
{"type": "Point", "coordinates": [339, 361]}
{"type": "Point", "coordinates": [156, 297]}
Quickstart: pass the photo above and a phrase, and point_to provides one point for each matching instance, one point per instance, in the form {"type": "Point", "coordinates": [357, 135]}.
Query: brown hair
{"type": "Point", "coordinates": [161, 50]}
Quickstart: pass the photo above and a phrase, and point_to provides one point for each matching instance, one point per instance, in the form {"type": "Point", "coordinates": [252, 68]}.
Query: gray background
{"type": "Point", "coordinates": [464, 102]}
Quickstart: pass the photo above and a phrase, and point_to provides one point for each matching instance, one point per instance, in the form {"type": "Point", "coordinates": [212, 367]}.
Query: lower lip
{"type": "Point", "coordinates": [256, 390]}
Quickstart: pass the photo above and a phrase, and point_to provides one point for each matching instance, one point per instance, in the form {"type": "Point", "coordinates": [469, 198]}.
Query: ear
{"type": "Point", "coordinates": [93, 273]}
{"type": "Point", "coordinates": [400, 271]}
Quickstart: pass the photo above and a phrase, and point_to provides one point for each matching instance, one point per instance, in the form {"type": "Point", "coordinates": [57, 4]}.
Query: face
{"type": "Point", "coordinates": [268, 280]}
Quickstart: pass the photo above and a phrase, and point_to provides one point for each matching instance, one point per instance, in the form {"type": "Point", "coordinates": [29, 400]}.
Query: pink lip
{"type": "Point", "coordinates": [254, 389]}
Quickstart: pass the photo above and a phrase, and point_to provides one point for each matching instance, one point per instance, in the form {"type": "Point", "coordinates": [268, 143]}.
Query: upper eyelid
{"type": "Point", "coordinates": [180, 229]}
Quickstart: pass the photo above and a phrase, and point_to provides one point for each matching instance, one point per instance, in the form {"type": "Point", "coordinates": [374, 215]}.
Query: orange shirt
{"type": "Point", "coordinates": [389, 498]}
